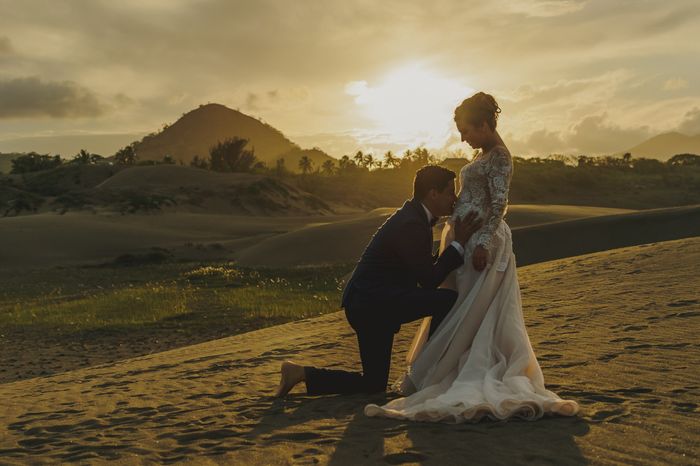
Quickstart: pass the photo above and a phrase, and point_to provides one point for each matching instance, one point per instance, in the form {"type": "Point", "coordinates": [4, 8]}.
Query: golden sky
{"type": "Point", "coordinates": [575, 76]}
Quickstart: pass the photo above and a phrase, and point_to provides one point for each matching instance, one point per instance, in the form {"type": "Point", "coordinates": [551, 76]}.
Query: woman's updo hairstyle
{"type": "Point", "coordinates": [479, 108]}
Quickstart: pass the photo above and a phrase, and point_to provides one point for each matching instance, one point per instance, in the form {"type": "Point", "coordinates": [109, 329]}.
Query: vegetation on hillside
{"type": "Point", "coordinates": [597, 181]}
{"type": "Point", "coordinates": [361, 181]}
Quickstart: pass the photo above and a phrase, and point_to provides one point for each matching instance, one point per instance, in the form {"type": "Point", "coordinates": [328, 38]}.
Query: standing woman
{"type": "Point", "coordinates": [479, 361]}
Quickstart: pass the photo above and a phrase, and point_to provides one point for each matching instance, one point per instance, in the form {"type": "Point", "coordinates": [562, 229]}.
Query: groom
{"type": "Point", "coordinates": [395, 282]}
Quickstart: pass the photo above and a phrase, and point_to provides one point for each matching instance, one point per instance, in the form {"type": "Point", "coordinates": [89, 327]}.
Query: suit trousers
{"type": "Point", "coordinates": [375, 324]}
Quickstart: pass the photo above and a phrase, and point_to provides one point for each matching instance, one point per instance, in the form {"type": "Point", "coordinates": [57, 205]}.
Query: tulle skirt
{"type": "Point", "coordinates": [479, 362]}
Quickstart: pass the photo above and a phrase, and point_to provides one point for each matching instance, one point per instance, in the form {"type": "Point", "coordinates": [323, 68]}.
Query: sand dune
{"type": "Point", "coordinates": [344, 241]}
{"type": "Point", "coordinates": [627, 353]}
{"type": "Point", "coordinates": [74, 239]}
{"type": "Point", "coordinates": [565, 239]}
{"type": "Point", "coordinates": [50, 239]}
{"type": "Point", "coordinates": [532, 214]}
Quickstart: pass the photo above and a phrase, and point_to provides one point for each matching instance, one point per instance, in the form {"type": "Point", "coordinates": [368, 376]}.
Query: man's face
{"type": "Point", "coordinates": [445, 200]}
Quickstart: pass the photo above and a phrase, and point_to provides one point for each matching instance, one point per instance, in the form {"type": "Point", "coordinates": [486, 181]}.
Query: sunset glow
{"type": "Point", "coordinates": [571, 76]}
{"type": "Point", "coordinates": [410, 104]}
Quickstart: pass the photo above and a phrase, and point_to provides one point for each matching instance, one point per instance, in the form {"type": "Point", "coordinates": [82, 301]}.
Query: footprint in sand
{"type": "Point", "coordinates": [608, 357]}
{"type": "Point", "coordinates": [633, 391]}
{"type": "Point", "coordinates": [683, 315]}
{"type": "Point", "coordinates": [683, 303]}
{"type": "Point", "coordinates": [610, 415]}
{"type": "Point", "coordinates": [634, 328]}
{"type": "Point", "coordinates": [685, 407]}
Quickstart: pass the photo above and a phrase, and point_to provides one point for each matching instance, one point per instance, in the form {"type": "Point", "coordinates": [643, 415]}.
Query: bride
{"type": "Point", "coordinates": [479, 361]}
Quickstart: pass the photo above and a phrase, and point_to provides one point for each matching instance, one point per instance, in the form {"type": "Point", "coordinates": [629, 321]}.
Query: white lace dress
{"type": "Point", "coordinates": [479, 363]}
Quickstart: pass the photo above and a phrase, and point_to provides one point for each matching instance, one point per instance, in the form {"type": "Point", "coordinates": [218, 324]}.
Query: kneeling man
{"type": "Point", "coordinates": [395, 282]}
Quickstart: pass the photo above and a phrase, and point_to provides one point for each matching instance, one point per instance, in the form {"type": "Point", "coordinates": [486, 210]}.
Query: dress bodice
{"type": "Point", "coordinates": [484, 185]}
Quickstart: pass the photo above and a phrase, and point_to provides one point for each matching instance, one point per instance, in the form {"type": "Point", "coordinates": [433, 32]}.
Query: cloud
{"type": "Point", "coordinates": [171, 55]}
{"type": "Point", "coordinates": [31, 97]}
{"type": "Point", "coordinates": [251, 101]}
{"type": "Point", "coordinates": [275, 99]}
{"type": "Point", "coordinates": [595, 135]}
{"type": "Point", "coordinates": [691, 122]}
{"type": "Point", "coordinates": [546, 142]}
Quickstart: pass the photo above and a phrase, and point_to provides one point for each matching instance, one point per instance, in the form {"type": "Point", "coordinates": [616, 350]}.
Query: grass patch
{"type": "Point", "coordinates": [215, 299]}
{"type": "Point", "coordinates": [130, 306]}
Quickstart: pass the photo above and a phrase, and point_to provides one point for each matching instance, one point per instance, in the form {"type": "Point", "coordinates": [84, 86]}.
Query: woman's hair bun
{"type": "Point", "coordinates": [479, 108]}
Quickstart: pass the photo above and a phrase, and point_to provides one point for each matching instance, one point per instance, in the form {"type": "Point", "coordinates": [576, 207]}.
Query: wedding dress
{"type": "Point", "coordinates": [479, 362]}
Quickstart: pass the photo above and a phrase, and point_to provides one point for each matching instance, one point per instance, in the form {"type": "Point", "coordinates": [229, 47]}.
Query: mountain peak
{"type": "Point", "coordinates": [203, 127]}
{"type": "Point", "coordinates": [665, 145]}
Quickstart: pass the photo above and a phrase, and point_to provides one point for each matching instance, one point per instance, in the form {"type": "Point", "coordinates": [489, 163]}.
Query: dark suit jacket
{"type": "Point", "coordinates": [399, 258]}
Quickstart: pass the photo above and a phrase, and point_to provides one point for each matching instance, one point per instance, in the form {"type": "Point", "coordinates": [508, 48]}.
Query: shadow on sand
{"type": "Point", "coordinates": [339, 422]}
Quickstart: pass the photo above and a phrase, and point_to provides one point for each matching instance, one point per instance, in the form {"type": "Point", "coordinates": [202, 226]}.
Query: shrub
{"type": "Point", "coordinates": [33, 162]}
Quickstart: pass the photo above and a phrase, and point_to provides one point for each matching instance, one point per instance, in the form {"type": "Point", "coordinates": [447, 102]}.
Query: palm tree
{"type": "Point", "coordinates": [305, 164]}
{"type": "Point", "coordinates": [369, 161]}
{"type": "Point", "coordinates": [359, 159]}
{"type": "Point", "coordinates": [390, 160]}
{"type": "Point", "coordinates": [328, 167]}
{"type": "Point", "coordinates": [83, 157]}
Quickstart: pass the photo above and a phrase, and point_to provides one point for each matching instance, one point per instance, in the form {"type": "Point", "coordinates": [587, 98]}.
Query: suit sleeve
{"type": "Point", "coordinates": [414, 247]}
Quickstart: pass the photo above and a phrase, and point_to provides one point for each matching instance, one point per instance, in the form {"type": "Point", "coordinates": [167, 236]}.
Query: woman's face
{"type": "Point", "coordinates": [475, 136]}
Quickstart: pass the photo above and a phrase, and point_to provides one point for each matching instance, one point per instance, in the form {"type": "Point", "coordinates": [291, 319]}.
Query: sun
{"type": "Point", "coordinates": [411, 104]}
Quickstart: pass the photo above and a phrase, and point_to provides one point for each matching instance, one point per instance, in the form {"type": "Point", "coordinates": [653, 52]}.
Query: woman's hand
{"type": "Point", "coordinates": [479, 258]}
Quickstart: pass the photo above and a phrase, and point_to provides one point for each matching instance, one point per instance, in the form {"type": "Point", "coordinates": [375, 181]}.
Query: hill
{"type": "Point", "coordinates": [198, 130]}
{"type": "Point", "coordinates": [666, 145]}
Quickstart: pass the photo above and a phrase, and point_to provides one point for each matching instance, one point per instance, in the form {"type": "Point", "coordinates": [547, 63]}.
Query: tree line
{"type": "Point", "coordinates": [232, 155]}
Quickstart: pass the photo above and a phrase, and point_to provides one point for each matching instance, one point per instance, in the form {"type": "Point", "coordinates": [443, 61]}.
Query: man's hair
{"type": "Point", "coordinates": [431, 177]}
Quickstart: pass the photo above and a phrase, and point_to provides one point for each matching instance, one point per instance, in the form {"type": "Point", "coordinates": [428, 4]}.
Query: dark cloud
{"type": "Point", "coordinates": [691, 122]}
{"type": "Point", "coordinates": [32, 97]}
{"type": "Point", "coordinates": [276, 98]}
{"type": "Point", "coordinates": [252, 101]}
{"type": "Point", "coordinates": [595, 135]}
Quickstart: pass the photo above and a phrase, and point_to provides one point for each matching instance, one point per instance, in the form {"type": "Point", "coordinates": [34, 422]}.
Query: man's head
{"type": "Point", "coordinates": [434, 186]}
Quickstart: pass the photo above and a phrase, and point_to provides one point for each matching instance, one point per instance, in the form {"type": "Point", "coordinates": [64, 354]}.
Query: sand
{"type": "Point", "coordinates": [616, 330]}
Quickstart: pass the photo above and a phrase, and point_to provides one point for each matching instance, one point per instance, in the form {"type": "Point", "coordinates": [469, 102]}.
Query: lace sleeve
{"type": "Point", "coordinates": [498, 176]}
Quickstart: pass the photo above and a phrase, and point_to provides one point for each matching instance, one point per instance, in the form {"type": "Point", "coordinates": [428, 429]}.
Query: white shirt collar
{"type": "Point", "coordinates": [427, 212]}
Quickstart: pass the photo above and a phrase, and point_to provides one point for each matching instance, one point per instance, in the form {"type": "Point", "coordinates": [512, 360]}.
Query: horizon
{"type": "Point", "coordinates": [583, 76]}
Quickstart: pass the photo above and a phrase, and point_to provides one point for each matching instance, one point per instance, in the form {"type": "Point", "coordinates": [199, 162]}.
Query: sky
{"type": "Point", "coordinates": [571, 76]}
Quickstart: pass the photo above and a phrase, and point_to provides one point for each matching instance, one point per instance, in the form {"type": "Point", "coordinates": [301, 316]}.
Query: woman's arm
{"type": "Point", "coordinates": [498, 173]}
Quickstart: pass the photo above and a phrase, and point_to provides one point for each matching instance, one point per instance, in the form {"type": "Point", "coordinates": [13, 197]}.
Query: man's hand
{"type": "Point", "coordinates": [479, 258]}
{"type": "Point", "coordinates": [466, 227]}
